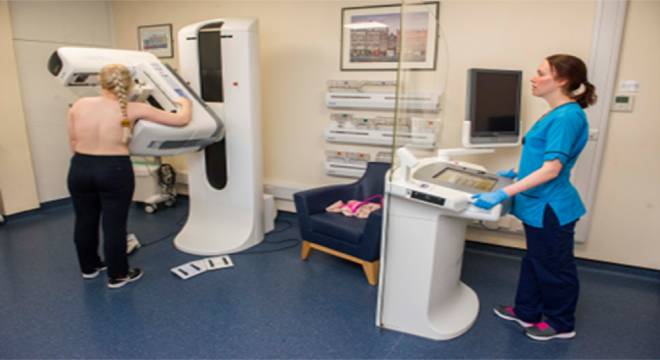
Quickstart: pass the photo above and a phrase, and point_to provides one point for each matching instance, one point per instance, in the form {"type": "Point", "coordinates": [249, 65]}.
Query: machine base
{"type": "Point", "coordinates": [446, 320]}
{"type": "Point", "coordinates": [421, 292]}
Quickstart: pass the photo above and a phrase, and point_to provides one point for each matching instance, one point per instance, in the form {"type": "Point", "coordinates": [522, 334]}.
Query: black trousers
{"type": "Point", "coordinates": [102, 189]}
{"type": "Point", "coordinates": [549, 285]}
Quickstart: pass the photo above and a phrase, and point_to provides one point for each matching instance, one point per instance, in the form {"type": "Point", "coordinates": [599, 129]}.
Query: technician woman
{"type": "Point", "coordinates": [100, 177]}
{"type": "Point", "coordinates": [547, 203]}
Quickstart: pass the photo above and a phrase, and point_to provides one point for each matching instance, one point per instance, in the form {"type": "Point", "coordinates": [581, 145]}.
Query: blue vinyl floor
{"type": "Point", "coordinates": [273, 305]}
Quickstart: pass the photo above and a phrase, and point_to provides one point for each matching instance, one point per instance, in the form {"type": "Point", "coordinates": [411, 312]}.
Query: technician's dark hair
{"type": "Point", "coordinates": [574, 71]}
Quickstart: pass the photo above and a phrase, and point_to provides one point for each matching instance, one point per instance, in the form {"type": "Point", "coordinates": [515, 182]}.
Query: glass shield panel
{"type": "Point", "coordinates": [420, 80]}
{"type": "Point", "coordinates": [417, 125]}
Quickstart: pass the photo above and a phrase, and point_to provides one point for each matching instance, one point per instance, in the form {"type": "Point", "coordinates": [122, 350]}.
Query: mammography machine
{"type": "Point", "coordinates": [219, 61]}
{"type": "Point", "coordinates": [429, 206]}
{"type": "Point", "coordinates": [220, 58]}
{"type": "Point", "coordinates": [155, 83]}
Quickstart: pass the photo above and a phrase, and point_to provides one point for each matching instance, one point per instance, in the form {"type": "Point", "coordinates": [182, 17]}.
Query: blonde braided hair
{"type": "Point", "coordinates": [117, 79]}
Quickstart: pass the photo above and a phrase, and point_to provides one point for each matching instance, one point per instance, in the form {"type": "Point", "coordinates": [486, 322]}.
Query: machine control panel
{"type": "Point", "coordinates": [428, 198]}
{"type": "Point", "coordinates": [449, 186]}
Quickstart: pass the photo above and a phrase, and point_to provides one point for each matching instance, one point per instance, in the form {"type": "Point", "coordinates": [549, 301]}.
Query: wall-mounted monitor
{"type": "Point", "coordinates": [492, 108]}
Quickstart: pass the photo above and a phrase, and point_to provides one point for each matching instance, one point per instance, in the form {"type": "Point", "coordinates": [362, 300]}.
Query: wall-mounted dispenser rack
{"type": "Point", "coordinates": [377, 95]}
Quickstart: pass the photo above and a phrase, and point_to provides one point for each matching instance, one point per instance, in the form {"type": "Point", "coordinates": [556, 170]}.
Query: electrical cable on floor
{"type": "Point", "coordinates": [277, 231]}
{"type": "Point", "coordinates": [293, 242]}
{"type": "Point", "coordinates": [164, 237]}
{"type": "Point", "coordinates": [288, 225]}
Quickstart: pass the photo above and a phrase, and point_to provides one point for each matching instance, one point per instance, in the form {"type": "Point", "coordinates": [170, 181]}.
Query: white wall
{"type": "Point", "coordinates": [17, 183]}
{"type": "Point", "coordinates": [39, 28]}
{"type": "Point", "coordinates": [626, 215]}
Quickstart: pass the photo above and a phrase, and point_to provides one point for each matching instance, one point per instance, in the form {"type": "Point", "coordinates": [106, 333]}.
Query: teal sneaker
{"type": "Point", "coordinates": [507, 313]}
{"type": "Point", "coordinates": [543, 331]}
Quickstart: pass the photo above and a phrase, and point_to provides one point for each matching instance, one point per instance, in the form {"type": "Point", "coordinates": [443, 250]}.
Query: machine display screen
{"type": "Point", "coordinates": [494, 105]}
{"type": "Point", "coordinates": [465, 179]}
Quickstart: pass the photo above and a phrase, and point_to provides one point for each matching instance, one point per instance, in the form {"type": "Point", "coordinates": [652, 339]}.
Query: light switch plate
{"type": "Point", "coordinates": [629, 86]}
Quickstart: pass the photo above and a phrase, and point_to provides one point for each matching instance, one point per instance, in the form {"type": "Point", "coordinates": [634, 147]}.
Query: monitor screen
{"type": "Point", "coordinates": [494, 102]}
{"type": "Point", "coordinates": [463, 179]}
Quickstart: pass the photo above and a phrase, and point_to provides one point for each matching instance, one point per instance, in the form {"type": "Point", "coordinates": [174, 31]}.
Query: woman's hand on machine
{"type": "Point", "coordinates": [490, 199]}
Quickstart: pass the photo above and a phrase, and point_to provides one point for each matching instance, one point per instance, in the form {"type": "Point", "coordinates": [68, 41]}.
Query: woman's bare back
{"type": "Point", "coordinates": [95, 123]}
{"type": "Point", "coordinates": [95, 127]}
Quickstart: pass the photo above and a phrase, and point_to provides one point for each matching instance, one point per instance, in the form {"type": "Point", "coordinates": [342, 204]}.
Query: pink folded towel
{"type": "Point", "coordinates": [357, 208]}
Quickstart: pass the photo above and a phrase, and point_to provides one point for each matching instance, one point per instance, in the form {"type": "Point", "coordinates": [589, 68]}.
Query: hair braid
{"type": "Point", "coordinates": [117, 79]}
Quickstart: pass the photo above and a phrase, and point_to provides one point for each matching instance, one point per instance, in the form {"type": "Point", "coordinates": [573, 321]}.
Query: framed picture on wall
{"type": "Point", "coordinates": [156, 39]}
{"type": "Point", "coordinates": [370, 37]}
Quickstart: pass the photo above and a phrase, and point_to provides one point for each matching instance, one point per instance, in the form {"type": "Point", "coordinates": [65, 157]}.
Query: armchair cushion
{"type": "Point", "coordinates": [349, 229]}
{"type": "Point", "coordinates": [315, 201]}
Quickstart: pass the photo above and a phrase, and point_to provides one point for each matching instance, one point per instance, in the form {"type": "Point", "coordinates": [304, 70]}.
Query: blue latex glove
{"type": "Point", "coordinates": [489, 199]}
{"type": "Point", "coordinates": [511, 174]}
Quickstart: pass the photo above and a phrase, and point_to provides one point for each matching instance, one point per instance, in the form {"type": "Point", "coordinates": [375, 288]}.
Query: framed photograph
{"type": "Point", "coordinates": [370, 37]}
{"type": "Point", "coordinates": [156, 39]}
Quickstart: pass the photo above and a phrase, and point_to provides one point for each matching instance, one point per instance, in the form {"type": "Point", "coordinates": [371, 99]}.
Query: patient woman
{"type": "Point", "coordinates": [100, 177]}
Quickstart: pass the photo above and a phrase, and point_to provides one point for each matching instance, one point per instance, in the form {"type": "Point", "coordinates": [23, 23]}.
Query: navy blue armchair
{"type": "Point", "coordinates": [349, 238]}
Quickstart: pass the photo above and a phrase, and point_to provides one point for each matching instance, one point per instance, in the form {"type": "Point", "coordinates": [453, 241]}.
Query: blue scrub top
{"type": "Point", "coordinates": [560, 134]}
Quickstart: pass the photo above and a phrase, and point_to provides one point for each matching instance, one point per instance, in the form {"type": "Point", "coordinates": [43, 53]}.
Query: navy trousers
{"type": "Point", "coordinates": [102, 189]}
{"type": "Point", "coordinates": [548, 285]}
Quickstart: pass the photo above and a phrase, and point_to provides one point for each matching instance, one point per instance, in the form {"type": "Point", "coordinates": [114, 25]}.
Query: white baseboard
{"type": "Point", "coordinates": [285, 205]}
{"type": "Point", "coordinates": [281, 191]}
{"type": "Point", "coordinates": [182, 177]}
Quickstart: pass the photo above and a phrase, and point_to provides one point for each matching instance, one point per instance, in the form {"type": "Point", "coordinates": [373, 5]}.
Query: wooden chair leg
{"type": "Point", "coordinates": [371, 270]}
{"type": "Point", "coordinates": [305, 249]}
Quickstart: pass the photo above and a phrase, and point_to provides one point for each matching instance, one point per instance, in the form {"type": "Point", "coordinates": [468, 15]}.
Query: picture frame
{"type": "Point", "coordinates": [156, 39]}
{"type": "Point", "coordinates": [370, 37]}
